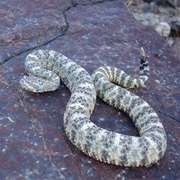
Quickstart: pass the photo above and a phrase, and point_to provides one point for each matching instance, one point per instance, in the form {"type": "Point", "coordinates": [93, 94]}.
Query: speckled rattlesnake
{"type": "Point", "coordinates": [45, 68]}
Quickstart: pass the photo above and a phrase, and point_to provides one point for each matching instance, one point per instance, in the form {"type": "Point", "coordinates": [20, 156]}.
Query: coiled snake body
{"type": "Point", "coordinates": [45, 68]}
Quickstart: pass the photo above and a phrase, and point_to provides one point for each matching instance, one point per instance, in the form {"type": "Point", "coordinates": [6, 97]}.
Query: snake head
{"type": "Point", "coordinates": [38, 84]}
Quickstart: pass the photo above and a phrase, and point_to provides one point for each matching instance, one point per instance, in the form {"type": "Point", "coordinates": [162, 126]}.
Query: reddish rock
{"type": "Point", "coordinates": [33, 142]}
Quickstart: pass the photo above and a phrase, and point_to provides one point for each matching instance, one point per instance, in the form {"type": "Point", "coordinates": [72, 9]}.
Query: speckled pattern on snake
{"type": "Point", "coordinates": [45, 68]}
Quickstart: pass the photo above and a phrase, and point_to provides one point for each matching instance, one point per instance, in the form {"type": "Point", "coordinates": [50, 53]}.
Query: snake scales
{"type": "Point", "coordinates": [45, 68]}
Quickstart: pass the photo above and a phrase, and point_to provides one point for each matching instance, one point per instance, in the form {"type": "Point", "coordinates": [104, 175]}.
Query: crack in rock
{"type": "Point", "coordinates": [156, 97]}
{"type": "Point", "coordinates": [173, 118]}
{"type": "Point", "coordinates": [90, 2]}
{"type": "Point", "coordinates": [31, 48]}
{"type": "Point", "coordinates": [64, 29]}
{"type": "Point", "coordinates": [162, 106]}
{"type": "Point", "coordinates": [40, 129]}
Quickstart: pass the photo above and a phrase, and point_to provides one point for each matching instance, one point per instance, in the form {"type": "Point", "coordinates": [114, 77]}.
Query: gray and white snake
{"type": "Point", "coordinates": [45, 68]}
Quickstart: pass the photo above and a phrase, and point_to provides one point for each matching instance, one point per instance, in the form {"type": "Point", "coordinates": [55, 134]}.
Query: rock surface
{"type": "Point", "coordinates": [161, 16]}
{"type": "Point", "coordinates": [33, 144]}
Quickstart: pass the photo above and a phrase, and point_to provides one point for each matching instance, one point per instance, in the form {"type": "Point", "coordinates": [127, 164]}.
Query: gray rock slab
{"type": "Point", "coordinates": [33, 143]}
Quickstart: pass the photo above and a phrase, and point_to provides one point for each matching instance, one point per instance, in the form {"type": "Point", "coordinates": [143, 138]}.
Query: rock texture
{"type": "Point", "coordinates": [161, 16]}
{"type": "Point", "coordinates": [33, 144]}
